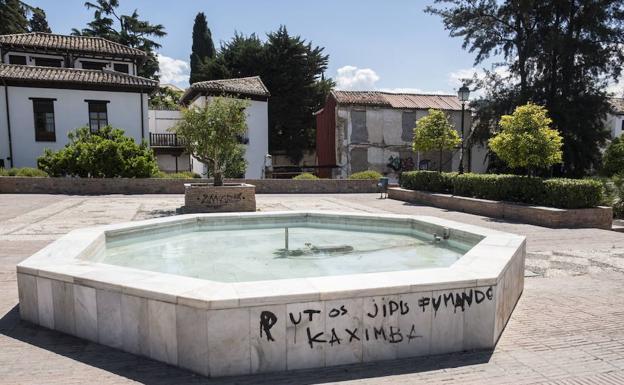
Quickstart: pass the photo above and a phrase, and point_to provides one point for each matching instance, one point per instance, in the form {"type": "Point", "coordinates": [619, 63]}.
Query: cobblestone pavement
{"type": "Point", "coordinates": [568, 327]}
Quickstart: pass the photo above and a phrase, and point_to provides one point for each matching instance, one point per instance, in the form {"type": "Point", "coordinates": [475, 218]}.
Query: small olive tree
{"type": "Point", "coordinates": [526, 139]}
{"type": "Point", "coordinates": [434, 132]}
{"type": "Point", "coordinates": [212, 133]}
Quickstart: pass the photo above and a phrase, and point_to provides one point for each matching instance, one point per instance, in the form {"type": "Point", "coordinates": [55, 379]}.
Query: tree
{"type": "Point", "coordinates": [38, 21]}
{"type": "Point", "coordinates": [212, 133]}
{"type": "Point", "coordinates": [165, 98]}
{"type": "Point", "coordinates": [13, 17]}
{"type": "Point", "coordinates": [106, 153]}
{"type": "Point", "coordinates": [557, 53]}
{"type": "Point", "coordinates": [203, 49]}
{"type": "Point", "coordinates": [434, 132]}
{"type": "Point", "coordinates": [129, 31]}
{"type": "Point", "coordinates": [613, 159]}
{"type": "Point", "coordinates": [526, 139]}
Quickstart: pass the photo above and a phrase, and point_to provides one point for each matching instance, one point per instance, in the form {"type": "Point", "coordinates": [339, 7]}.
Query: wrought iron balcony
{"type": "Point", "coordinates": [166, 140]}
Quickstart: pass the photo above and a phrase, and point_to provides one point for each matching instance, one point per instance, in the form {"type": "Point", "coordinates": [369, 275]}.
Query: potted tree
{"type": "Point", "coordinates": [212, 135]}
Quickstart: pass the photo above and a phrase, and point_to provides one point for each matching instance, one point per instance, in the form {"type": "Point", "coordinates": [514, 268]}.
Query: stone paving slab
{"type": "Point", "coordinates": [567, 327]}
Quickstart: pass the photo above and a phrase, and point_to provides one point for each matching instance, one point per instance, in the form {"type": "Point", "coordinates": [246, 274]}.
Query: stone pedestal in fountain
{"type": "Point", "coordinates": [206, 198]}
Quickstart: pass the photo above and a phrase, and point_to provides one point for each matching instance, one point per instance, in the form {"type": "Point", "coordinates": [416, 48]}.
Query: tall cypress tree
{"type": "Point", "coordinates": [203, 50]}
{"type": "Point", "coordinates": [38, 21]}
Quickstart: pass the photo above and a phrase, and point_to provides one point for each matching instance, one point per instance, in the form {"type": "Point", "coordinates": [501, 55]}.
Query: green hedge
{"type": "Point", "coordinates": [559, 192]}
{"type": "Point", "coordinates": [23, 171]}
{"type": "Point", "coordinates": [369, 175]}
{"type": "Point", "coordinates": [306, 176]}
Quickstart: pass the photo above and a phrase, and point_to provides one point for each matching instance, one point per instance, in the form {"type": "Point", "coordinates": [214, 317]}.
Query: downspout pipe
{"type": "Point", "coordinates": [142, 118]}
{"type": "Point", "coordinates": [8, 116]}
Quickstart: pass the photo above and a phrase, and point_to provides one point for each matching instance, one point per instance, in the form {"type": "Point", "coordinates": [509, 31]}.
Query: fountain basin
{"type": "Point", "coordinates": [177, 305]}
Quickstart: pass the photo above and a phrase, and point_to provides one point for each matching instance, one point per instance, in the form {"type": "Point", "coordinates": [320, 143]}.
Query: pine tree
{"type": "Point", "coordinates": [13, 17]}
{"type": "Point", "coordinates": [128, 30]}
{"type": "Point", "coordinates": [559, 53]}
{"type": "Point", "coordinates": [203, 50]}
{"type": "Point", "coordinates": [38, 21]}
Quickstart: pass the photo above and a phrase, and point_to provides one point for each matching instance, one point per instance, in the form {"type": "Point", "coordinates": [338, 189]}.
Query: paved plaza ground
{"type": "Point", "coordinates": [568, 327]}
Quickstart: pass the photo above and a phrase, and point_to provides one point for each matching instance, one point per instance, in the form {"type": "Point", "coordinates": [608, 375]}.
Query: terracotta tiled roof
{"type": "Point", "coordinates": [617, 105]}
{"type": "Point", "coordinates": [245, 87]}
{"type": "Point", "coordinates": [49, 41]}
{"type": "Point", "coordinates": [392, 100]}
{"type": "Point", "coordinates": [20, 74]}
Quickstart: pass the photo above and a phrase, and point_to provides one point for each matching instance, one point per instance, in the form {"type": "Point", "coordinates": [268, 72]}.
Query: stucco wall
{"type": "Point", "coordinates": [70, 112]}
{"type": "Point", "coordinates": [614, 124]}
{"type": "Point", "coordinates": [366, 138]}
{"type": "Point", "coordinates": [160, 121]}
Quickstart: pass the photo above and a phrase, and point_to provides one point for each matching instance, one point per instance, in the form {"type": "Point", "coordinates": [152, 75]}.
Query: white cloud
{"type": "Point", "coordinates": [173, 71]}
{"type": "Point", "coordinates": [458, 77]}
{"type": "Point", "coordinates": [354, 78]}
{"type": "Point", "coordinates": [409, 90]}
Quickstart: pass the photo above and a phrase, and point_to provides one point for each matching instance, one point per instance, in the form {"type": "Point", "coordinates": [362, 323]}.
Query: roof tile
{"type": "Point", "coordinates": [394, 100]}
{"type": "Point", "coordinates": [22, 73]}
{"type": "Point", "coordinates": [95, 45]}
{"type": "Point", "coordinates": [250, 86]}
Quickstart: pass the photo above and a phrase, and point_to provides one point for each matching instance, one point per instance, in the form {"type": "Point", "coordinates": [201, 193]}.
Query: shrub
{"type": "Point", "coordinates": [23, 171]}
{"type": "Point", "coordinates": [177, 175]}
{"type": "Point", "coordinates": [306, 176]}
{"type": "Point", "coordinates": [562, 193]}
{"type": "Point", "coordinates": [427, 181]}
{"type": "Point", "coordinates": [613, 158]}
{"type": "Point", "coordinates": [370, 174]}
{"type": "Point", "coordinates": [526, 139]}
{"type": "Point", "coordinates": [573, 193]}
{"type": "Point", "coordinates": [106, 153]}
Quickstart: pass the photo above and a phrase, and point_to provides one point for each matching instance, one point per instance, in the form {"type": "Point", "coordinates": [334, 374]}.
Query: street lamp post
{"type": "Point", "coordinates": [463, 94]}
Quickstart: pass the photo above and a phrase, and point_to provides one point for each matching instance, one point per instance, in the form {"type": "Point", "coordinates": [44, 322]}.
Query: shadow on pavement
{"type": "Point", "coordinates": [147, 371]}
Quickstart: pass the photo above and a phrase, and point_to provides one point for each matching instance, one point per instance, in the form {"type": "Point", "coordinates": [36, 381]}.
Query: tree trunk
{"type": "Point", "coordinates": [218, 178]}
{"type": "Point", "coordinates": [440, 162]}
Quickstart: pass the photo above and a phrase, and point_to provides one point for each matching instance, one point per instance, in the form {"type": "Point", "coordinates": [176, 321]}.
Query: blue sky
{"type": "Point", "coordinates": [391, 45]}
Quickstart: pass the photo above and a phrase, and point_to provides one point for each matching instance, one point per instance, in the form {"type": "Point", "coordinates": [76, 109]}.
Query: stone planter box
{"type": "Point", "coordinates": [597, 217]}
{"type": "Point", "coordinates": [206, 198]}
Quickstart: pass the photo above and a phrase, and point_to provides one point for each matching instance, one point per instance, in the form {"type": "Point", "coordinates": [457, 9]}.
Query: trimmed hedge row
{"type": "Point", "coordinates": [556, 192]}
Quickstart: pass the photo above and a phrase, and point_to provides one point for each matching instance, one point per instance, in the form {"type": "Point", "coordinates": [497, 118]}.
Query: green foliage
{"type": "Point", "coordinates": [38, 21]}
{"type": "Point", "coordinates": [106, 153]}
{"type": "Point", "coordinates": [23, 171]}
{"type": "Point", "coordinates": [369, 174]}
{"type": "Point", "coordinates": [526, 140]}
{"type": "Point", "coordinates": [427, 181]}
{"type": "Point", "coordinates": [212, 134]}
{"type": "Point", "coordinates": [306, 176]}
{"type": "Point", "coordinates": [13, 17]}
{"type": "Point", "coordinates": [434, 132]}
{"type": "Point", "coordinates": [618, 201]}
{"type": "Point", "coordinates": [559, 54]}
{"type": "Point", "coordinates": [613, 158]}
{"type": "Point", "coordinates": [177, 175]}
{"type": "Point", "coordinates": [203, 49]}
{"type": "Point", "coordinates": [557, 192]}
{"type": "Point", "coordinates": [130, 31]}
{"type": "Point", "coordinates": [165, 98]}
{"type": "Point", "coordinates": [292, 69]}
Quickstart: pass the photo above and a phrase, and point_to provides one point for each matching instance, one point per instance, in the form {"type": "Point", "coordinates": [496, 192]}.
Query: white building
{"type": "Point", "coordinates": [372, 130]}
{"type": "Point", "coordinates": [257, 138]}
{"type": "Point", "coordinates": [52, 84]}
{"type": "Point", "coordinates": [615, 119]}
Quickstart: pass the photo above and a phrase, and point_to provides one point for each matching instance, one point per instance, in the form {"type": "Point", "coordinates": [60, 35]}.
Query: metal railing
{"type": "Point", "coordinates": [166, 140]}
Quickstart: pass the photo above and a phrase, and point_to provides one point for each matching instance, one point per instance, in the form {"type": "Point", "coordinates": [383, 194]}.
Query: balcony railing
{"type": "Point", "coordinates": [166, 140]}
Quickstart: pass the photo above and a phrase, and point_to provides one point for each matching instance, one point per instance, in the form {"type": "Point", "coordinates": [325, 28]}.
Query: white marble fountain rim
{"type": "Point", "coordinates": [63, 260]}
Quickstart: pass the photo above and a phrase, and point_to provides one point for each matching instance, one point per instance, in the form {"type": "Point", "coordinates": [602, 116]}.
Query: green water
{"type": "Point", "coordinates": [260, 254]}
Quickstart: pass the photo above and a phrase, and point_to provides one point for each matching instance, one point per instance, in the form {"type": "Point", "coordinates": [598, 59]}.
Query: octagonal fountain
{"type": "Point", "coordinates": [229, 294]}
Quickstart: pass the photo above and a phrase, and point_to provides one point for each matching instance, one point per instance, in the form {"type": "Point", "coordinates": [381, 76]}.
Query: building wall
{"type": "Point", "coordinates": [367, 137]}
{"type": "Point", "coordinates": [160, 121]}
{"type": "Point", "coordinates": [70, 112]}
{"type": "Point", "coordinates": [614, 124]}
{"type": "Point", "coordinates": [257, 132]}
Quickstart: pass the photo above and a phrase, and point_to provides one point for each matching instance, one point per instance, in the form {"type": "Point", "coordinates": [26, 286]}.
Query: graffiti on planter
{"type": "Point", "coordinates": [219, 200]}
